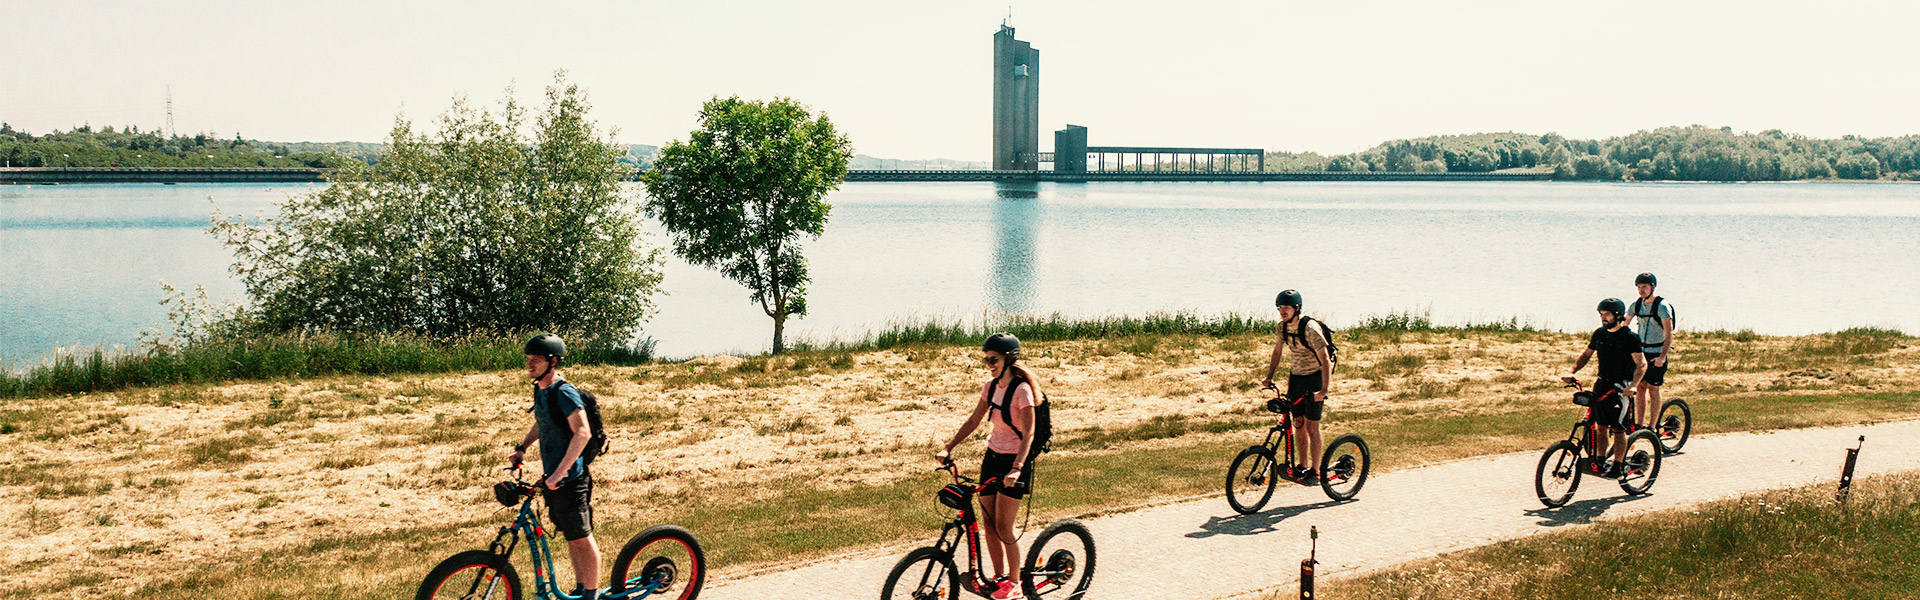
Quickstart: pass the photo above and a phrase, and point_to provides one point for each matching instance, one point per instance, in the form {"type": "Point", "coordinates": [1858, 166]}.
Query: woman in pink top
{"type": "Point", "coordinates": [1009, 395]}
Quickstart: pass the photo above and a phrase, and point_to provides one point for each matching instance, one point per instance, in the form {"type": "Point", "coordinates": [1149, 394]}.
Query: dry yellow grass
{"type": "Point", "coordinates": [116, 490]}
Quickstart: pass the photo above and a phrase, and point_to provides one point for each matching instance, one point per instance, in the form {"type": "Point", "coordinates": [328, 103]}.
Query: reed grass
{"type": "Point", "coordinates": [1055, 327]}
{"type": "Point", "coordinates": [1058, 327]}
{"type": "Point", "coordinates": [313, 355]}
{"type": "Point", "coordinates": [289, 356]}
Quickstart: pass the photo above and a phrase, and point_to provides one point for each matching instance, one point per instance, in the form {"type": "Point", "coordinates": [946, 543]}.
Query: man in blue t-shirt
{"type": "Point", "coordinates": [1621, 367]}
{"type": "Point", "coordinates": [567, 484]}
{"type": "Point", "coordinates": [1653, 321]}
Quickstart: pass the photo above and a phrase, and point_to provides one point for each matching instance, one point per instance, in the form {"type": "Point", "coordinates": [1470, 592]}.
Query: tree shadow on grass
{"type": "Point", "coordinates": [1256, 523]}
{"type": "Point", "coordinates": [1579, 513]}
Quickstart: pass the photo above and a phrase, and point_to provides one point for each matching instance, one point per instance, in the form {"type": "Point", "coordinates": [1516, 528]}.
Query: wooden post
{"type": "Point", "coordinates": [1846, 472]}
{"type": "Point", "coordinates": [1306, 566]}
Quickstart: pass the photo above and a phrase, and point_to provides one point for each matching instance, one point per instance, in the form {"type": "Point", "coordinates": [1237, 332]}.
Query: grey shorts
{"type": "Point", "coordinates": [571, 507]}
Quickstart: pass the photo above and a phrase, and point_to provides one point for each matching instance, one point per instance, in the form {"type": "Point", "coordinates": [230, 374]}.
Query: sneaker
{"type": "Point", "coordinates": [1309, 477]}
{"type": "Point", "coordinates": [1007, 590]}
{"type": "Point", "coordinates": [581, 592]}
{"type": "Point", "coordinates": [1614, 470]}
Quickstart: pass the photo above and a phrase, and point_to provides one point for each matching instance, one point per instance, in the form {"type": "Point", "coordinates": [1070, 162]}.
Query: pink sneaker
{"type": "Point", "coordinates": [1007, 590]}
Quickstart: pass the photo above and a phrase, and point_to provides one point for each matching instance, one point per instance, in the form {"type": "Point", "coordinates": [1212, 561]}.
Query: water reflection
{"type": "Point", "coordinates": [1011, 282]}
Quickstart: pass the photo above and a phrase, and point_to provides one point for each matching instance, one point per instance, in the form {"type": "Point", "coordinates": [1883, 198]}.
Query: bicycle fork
{"type": "Point", "coordinates": [503, 553]}
{"type": "Point", "coordinates": [1284, 463]}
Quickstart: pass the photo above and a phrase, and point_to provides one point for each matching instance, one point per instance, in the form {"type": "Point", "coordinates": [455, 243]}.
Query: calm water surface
{"type": "Point", "coordinates": [80, 265]}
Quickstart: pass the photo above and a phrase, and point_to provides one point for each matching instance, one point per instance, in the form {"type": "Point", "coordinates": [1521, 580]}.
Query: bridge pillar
{"type": "Point", "coordinates": [1070, 149]}
{"type": "Point", "coordinates": [1016, 103]}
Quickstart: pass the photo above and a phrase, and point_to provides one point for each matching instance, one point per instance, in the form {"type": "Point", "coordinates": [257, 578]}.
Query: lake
{"type": "Point", "coordinates": [80, 264]}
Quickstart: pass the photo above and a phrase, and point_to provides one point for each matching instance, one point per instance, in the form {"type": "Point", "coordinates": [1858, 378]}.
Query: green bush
{"type": "Point", "coordinates": [497, 222]}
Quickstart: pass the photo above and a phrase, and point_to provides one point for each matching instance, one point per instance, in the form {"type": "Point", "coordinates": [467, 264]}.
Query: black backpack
{"type": "Point", "coordinates": [1333, 351]}
{"type": "Point", "coordinates": [596, 445]}
{"type": "Point", "coordinates": [1634, 311]}
{"type": "Point", "coordinates": [1042, 417]}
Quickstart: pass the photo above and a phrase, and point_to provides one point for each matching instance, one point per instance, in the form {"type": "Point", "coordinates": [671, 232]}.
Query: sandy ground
{"type": "Point", "coordinates": [143, 483]}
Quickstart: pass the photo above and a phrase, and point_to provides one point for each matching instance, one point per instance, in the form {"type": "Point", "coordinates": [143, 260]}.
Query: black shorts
{"type": "Point", "coordinates": [1611, 408]}
{"type": "Point", "coordinates": [571, 507]}
{"type": "Point", "coordinates": [1301, 390]}
{"type": "Point", "coordinates": [1656, 376]}
{"type": "Point", "coordinates": [997, 465]}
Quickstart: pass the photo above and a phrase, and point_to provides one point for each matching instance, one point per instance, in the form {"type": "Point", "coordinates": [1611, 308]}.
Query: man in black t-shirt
{"type": "Point", "coordinates": [1621, 368]}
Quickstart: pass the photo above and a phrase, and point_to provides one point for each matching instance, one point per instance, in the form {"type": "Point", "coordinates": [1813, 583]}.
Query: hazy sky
{"type": "Point", "coordinates": [912, 79]}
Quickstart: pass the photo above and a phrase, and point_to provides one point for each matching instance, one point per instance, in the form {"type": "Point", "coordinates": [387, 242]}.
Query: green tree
{"type": "Point", "coordinates": [1857, 166]}
{"type": "Point", "coordinates": [475, 229]}
{"type": "Point", "coordinates": [742, 190]}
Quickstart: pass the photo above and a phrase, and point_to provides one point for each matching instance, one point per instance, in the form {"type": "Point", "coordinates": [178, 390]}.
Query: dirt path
{"type": "Point", "coordinates": [1200, 549]}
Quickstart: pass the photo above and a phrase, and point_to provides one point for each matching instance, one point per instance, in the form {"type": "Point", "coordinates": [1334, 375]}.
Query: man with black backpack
{"type": "Point", "coordinates": [1309, 377]}
{"type": "Point", "coordinates": [1653, 321]}
{"type": "Point", "coordinates": [566, 433]}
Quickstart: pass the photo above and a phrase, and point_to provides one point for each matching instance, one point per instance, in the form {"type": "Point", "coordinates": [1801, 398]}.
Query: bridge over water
{"type": "Point", "coordinates": [52, 176]}
{"type": "Point", "coordinates": [1087, 176]}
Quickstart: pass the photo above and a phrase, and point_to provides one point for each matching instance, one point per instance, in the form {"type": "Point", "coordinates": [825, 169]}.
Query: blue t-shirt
{"type": "Point", "coordinates": [555, 437]}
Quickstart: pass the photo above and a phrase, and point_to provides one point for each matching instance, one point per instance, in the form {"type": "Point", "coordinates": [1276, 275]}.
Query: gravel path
{"type": "Point", "coordinates": [1201, 549]}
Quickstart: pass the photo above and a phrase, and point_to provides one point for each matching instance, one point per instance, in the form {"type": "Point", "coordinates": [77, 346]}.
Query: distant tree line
{"type": "Point", "coordinates": [85, 146]}
{"type": "Point", "coordinates": [1693, 153]}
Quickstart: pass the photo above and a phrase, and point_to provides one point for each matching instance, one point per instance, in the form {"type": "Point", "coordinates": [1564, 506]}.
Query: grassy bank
{"type": "Point", "coordinates": [319, 355]}
{"type": "Point", "coordinates": [288, 356]}
{"type": "Point", "coordinates": [1787, 544]}
{"type": "Point", "coordinates": [352, 486]}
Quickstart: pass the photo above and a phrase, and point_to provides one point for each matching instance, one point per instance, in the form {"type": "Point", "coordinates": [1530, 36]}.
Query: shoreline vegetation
{"type": "Point", "coordinates": [308, 355]}
{"type": "Point", "coordinates": [1693, 153]}
{"type": "Point", "coordinates": [351, 486]}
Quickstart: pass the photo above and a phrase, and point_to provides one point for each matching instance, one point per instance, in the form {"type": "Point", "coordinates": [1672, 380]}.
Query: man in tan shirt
{"type": "Point", "coordinates": [1310, 374]}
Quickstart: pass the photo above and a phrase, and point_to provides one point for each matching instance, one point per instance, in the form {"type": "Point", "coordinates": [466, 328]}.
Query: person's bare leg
{"type": "Point", "coordinates": [585, 556]}
{"type": "Point", "coordinates": [990, 514]}
{"type": "Point", "coordinates": [1008, 510]}
{"type": "Point", "coordinates": [1300, 450]}
{"type": "Point", "coordinates": [1652, 395]}
{"type": "Point", "coordinates": [1313, 443]}
{"type": "Point", "coordinates": [1604, 445]}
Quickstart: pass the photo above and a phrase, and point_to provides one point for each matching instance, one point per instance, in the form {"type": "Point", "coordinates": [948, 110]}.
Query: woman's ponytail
{"type": "Point", "coordinates": [1032, 382]}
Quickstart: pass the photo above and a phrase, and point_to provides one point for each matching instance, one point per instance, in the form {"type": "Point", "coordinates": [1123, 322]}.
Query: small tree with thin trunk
{"type": "Point", "coordinates": [741, 191]}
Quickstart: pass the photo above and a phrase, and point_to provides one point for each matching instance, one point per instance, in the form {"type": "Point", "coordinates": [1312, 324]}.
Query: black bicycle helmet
{"type": "Point", "coordinates": [547, 344]}
{"type": "Point", "coordinates": [1287, 298]}
{"type": "Point", "coordinates": [1646, 278]}
{"type": "Point", "coordinates": [1003, 343]}
{"type": "Point", "coordinates": [1614, 305]}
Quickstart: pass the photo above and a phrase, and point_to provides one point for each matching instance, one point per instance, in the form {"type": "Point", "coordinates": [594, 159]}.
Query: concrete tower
{"type": "Point", "coordinates": [1016, 103]}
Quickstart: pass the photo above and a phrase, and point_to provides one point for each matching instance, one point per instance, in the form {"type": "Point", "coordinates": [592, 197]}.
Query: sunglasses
{"type": "Point", "coordinates": [992, 360]}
